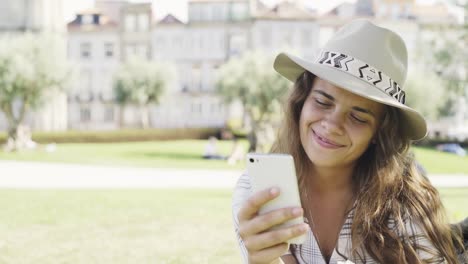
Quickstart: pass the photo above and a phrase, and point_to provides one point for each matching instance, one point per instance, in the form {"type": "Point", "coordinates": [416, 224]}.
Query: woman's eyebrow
{"type": "Point", "coordinates": [324, 94]}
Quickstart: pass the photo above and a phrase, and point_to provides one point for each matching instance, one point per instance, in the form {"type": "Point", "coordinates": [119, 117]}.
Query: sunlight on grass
{"type": "Point", "coordinates": [118, 226]}
{"type": "Point", "coordinates": [183, 154]}
{"type": "Point", "coordinates": [130, 226]}
{"type": "Point", "coordinates": [186, 154]}
{"type": "Point", "coordinates": [440, 162]}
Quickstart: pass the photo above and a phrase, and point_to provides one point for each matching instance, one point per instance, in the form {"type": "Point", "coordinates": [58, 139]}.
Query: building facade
{"type": "Point", "coordinates": [216, 31]}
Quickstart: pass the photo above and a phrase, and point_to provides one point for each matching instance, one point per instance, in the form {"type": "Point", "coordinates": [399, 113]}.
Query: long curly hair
{"type": "Point", "coordinates": [394, 188]}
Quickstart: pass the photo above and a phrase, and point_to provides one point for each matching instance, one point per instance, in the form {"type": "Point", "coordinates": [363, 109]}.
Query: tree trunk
{"type": "Point", "coordinates": [16, 140]}
{"type": "Point", "coordinates": [252, 136]}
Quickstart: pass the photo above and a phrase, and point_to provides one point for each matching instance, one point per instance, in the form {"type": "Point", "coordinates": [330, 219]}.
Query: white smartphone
{"type": "Point", "coordinates": [270, 170]}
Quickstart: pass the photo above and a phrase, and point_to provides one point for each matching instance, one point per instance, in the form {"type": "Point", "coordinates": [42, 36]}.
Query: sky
{"type": "Point", "coordinates": [179, 7]}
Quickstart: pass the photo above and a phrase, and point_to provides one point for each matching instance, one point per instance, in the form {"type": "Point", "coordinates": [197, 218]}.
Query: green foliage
{"type": "Point", "coordinates": [252, 80]}
{"type": "Point", "coordinates": [446, 57]}
{"type": "Point", "coordinates": [142, 82]}
{"type": "Point", "coordinates": [422, 88]}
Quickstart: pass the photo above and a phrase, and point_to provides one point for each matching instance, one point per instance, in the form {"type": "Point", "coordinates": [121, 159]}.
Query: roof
{"type": "Point", "coordinates": [170, 19]}
{"type": "Point", "coordinates": [104, 22]}
{"type": "Point", "coordinates": [215, 1]}
{"type": "Point", "coordinates": [89, 11]}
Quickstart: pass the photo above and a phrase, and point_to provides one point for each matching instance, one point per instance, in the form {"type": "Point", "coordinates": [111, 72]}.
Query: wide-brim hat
{"type": "Point", "coordinates": [366, 60]}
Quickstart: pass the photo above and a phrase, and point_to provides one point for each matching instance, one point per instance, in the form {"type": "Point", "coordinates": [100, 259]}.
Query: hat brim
{"type": "Point", "coordinates": [291, 67]}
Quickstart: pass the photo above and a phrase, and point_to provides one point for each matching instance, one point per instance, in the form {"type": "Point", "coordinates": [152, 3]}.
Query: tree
{"type": "Point", "coordinates": [141, 83]}
{"type": "Point", "coordinates": [422, 88]}
{"type": "Point", "coordinates": [446, 56]}
{"type": "Point", "coordinates": [31, 66]}
{"type": "Point", "coordinates": [252, 80]}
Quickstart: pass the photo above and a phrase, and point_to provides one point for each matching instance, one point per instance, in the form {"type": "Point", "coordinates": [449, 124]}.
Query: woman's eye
{"type": "Point", "coordinates": [322, 103]}
{"type": "Point", "coordinates": [359, 119]}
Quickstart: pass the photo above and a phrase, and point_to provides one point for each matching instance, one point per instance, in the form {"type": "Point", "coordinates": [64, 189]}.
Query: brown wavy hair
{"type": "Point", "coordinates": [395, 190]}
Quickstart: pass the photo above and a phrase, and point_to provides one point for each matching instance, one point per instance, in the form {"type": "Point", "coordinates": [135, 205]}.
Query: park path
{"type": "Point", "coordinates": [38, 175]}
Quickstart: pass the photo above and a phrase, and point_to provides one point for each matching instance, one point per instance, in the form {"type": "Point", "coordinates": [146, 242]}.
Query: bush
{"type": "Point", "coordinates": [119, 135]}
{"type": "Point", "coordinates": [433, 142]}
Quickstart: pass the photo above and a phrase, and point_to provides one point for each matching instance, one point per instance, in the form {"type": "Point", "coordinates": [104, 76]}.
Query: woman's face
{"type": "Point", "coordinates": [337, 126]}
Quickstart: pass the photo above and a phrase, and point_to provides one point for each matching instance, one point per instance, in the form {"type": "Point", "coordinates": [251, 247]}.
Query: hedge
{"type": "Point", "coordinates": [119, 135]}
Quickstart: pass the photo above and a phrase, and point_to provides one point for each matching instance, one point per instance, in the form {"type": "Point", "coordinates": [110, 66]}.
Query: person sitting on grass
{"type": "Point", "coordinates": [211, 150]}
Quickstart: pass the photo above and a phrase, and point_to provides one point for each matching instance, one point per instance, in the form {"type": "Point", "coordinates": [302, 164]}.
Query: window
{"type": "Point", "coordinates": [196, 78]}
{"type": "Point", "coordinates": [160, 42]}
{"type": "Point", "coordinates": [143, 22]}
{"type": "Point", "coordinates": [239, 11]}
{"type": "Point", "coordinates": [109, 50]}
{"type": "Point", "coordinates": [130, 23]}
{"type": "Point", "coordinates": [87, 19]}
{"type": "Point", "coordinates": [237, 44]}
{"type": "Point", "coordinates": [305, 37]}
{"type": "Point", "coordinates": [85, 50]}
{"type": "Point", "coordinates": [215, 108]}
{"type": "Point", "coordinates": [196, 107]}
{"type": "Point", "coordinates": [130, 50]}
{"type": "Point", "coordinates": [85, 114]}
{"type": "Point", "coordinates": [85, 80]}
{"type": "Point", "coordinates": [142, 51]}
{"type": "Point", "coordinates": [395, 10]}
{"type": "Point", "coordinates": [109, 114]}
{"type": "Point", "coordinates": [266, 37]}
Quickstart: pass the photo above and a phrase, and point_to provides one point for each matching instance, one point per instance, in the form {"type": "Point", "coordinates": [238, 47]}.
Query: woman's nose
{"type": "Point", "coordinates": [333, 124]}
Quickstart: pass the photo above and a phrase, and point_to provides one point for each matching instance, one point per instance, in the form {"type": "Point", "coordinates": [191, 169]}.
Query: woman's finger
{"type": "Point", "coordinates": [255, 202]}
{"type": "Point", "coordinates": [274, 237]}
{"type": "Point", "coordinates": [268, 255]}
{"type": "Point", "coordinates": [264, 222]}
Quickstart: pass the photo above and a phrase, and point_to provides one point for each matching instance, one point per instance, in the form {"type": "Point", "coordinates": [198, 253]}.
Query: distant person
{"type": "Point", "coordinates": [237, 153]}
{"type": "Point", "coordinates": [211, 149]}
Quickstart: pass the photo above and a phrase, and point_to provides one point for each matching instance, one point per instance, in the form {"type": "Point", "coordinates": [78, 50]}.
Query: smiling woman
{"type": "Point", "coordinates": [348, 128]}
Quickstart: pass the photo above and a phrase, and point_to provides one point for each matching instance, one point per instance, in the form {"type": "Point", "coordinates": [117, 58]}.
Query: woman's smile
{"type": "Point", "coordinates": [325, 142]}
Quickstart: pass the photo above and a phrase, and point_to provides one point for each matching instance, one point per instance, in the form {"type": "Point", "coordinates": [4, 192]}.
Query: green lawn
{"type": "Point", "coordinates": [440, 162]}
{"type": "Point", "coordinates": [129, 226]}
{"type": "Point", "coordinates": [183, 154]}
{"type": "Point", "coordinates": [186, 154]}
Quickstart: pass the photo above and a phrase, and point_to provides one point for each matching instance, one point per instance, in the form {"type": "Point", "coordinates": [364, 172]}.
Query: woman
{"type": "Point", "coordinates": [349, 131]}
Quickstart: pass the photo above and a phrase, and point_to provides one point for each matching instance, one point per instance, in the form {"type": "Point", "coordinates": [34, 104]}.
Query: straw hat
{"type": "Point", "coordinates": [364, 59]}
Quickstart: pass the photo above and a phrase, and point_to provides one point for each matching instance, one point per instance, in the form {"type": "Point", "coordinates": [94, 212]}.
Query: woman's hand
{"type": "Point", "coordinates": [267, 246]}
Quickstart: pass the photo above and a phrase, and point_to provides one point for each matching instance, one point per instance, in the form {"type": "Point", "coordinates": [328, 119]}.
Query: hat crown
{"type": "Point", "coordinates": [380, 48]}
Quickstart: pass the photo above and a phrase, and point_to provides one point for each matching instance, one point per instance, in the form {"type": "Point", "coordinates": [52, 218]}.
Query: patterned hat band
{"type": "Point", "coordinates": [363, 71]}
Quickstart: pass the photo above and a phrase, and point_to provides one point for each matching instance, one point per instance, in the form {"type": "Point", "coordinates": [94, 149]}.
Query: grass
{"type": "Point", "coordinates": [130, 226]}
{"type": "Point", "coordinates": [117, 226]}
{"type": "Point", "coordinates": [441, 162]}
{"type": "Point", "coordinates": [183, 154]}
{"type": "Point", "coordinates": [186, 154]}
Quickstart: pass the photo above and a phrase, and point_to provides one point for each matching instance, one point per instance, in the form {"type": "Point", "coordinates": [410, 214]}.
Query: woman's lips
{"type": "Point", "coordinates": [326, 143]}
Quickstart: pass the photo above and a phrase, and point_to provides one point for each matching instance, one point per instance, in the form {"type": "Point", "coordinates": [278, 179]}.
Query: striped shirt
{"type": "Point", "coordinates": [309, 252]}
